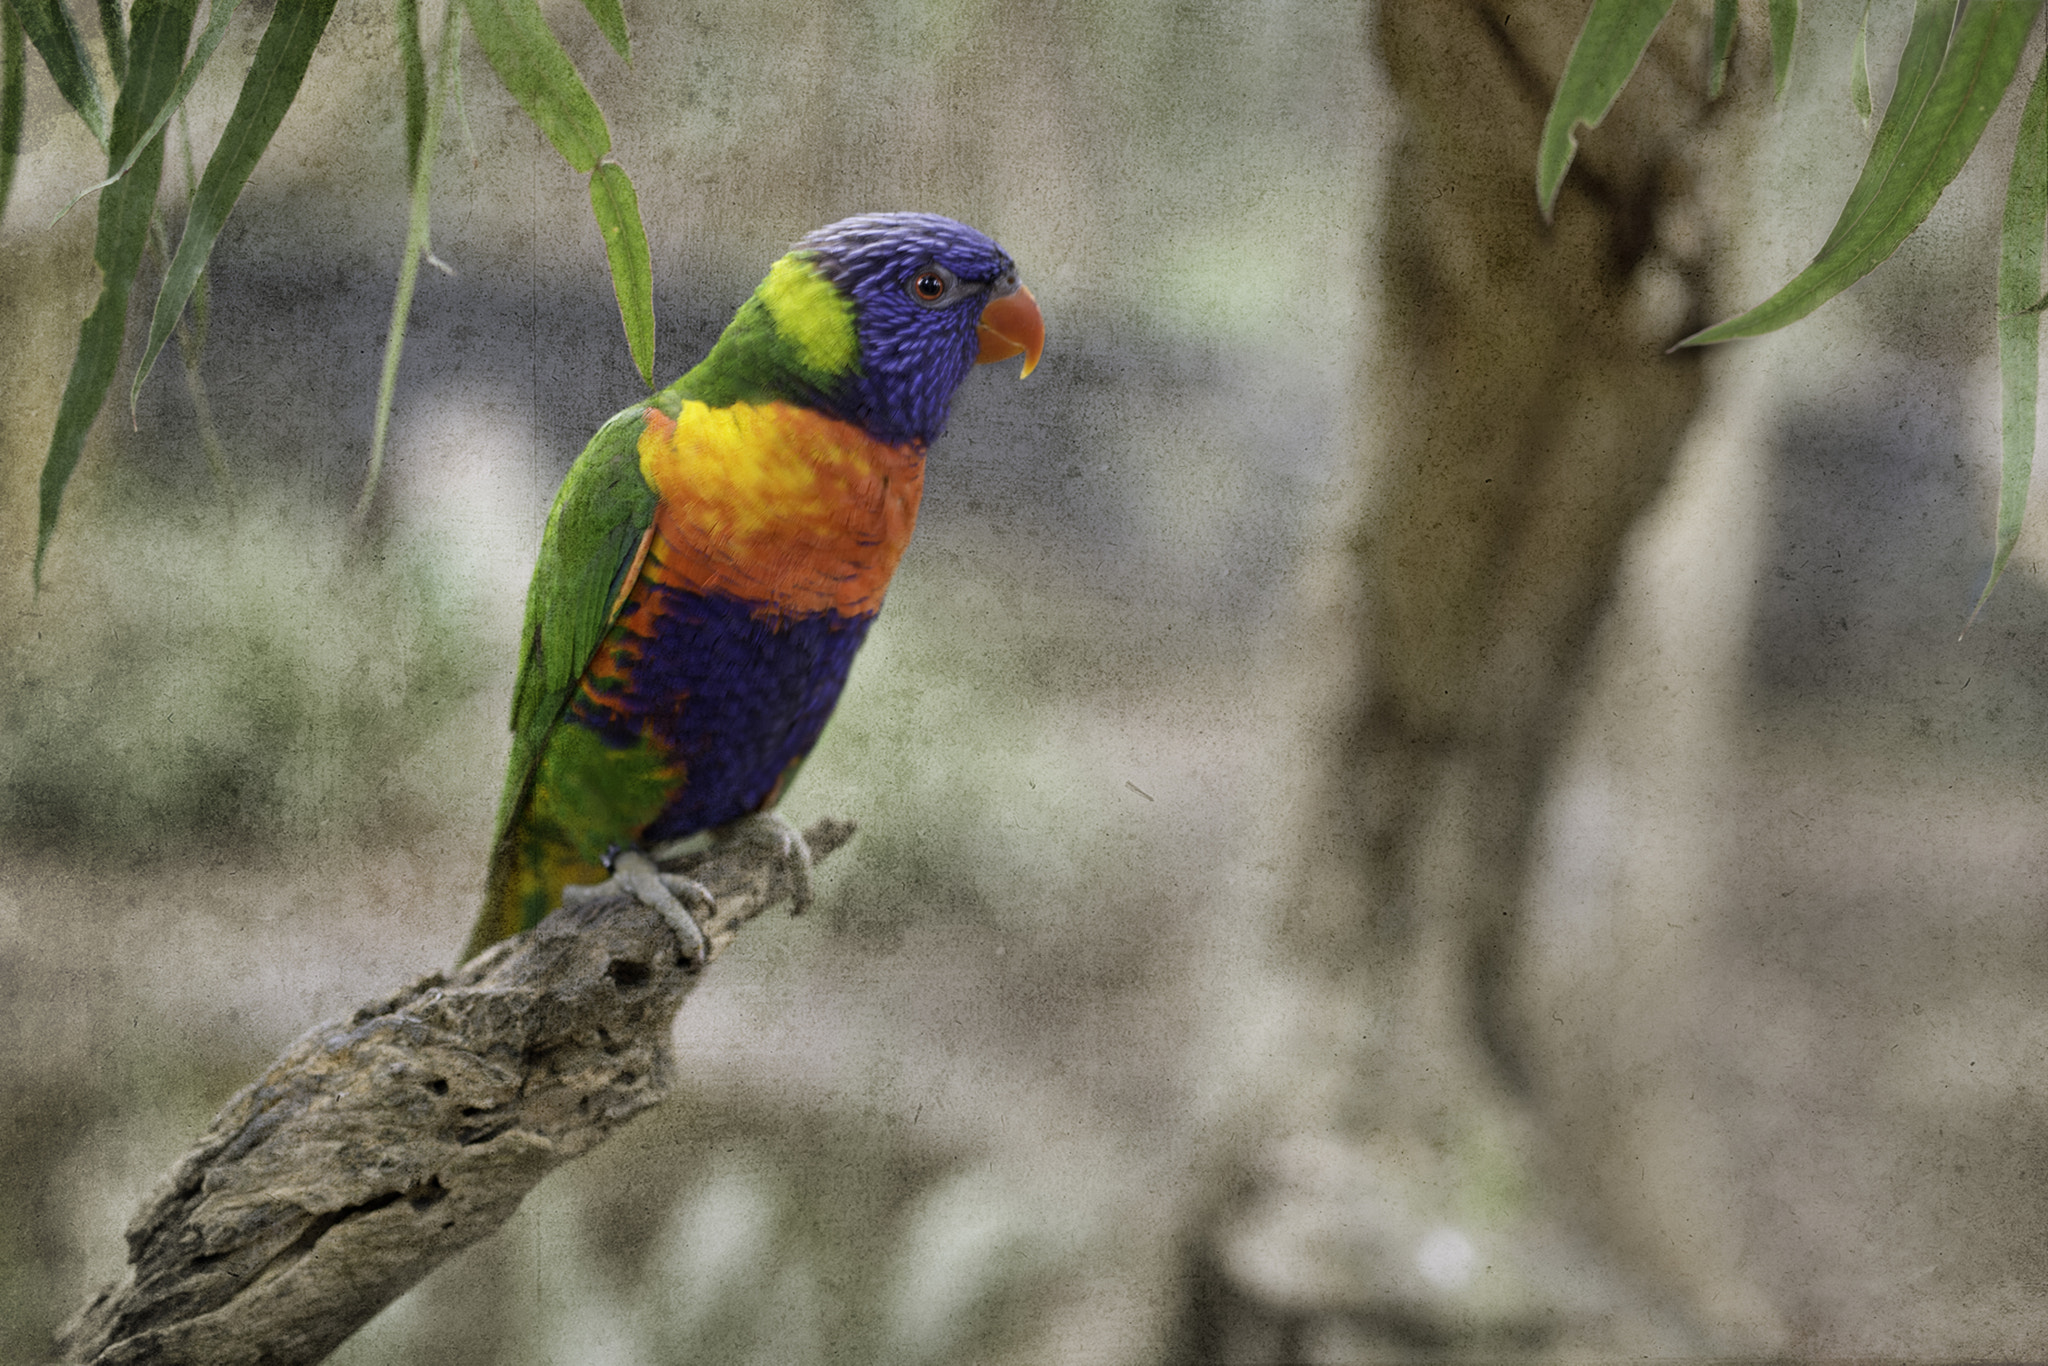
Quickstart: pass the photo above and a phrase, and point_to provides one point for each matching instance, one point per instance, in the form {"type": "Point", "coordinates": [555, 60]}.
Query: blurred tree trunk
{"type": "Point", "coordinates": [1517, 417]}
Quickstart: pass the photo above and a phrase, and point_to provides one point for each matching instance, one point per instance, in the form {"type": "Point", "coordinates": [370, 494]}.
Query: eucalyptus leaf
{"type": "Point", "coordinates": [611, 21]}
{"type": "Point", "coordinates": [447, 62]}
{"type": "Point", "coordinates": [48, 25]}
{"type": "Point", "coordinates": [115, 35]}
{"type": "Point", "coordinates": [617, 207]}
{"type": "Point", "coordinates": [412, 60]}
{"type": "Point", "coordinates": [209, 39]}
{"type": "Point", "coordinates": [1904, 176]}
{"type": "Point", "coordinates": [1615, 36]}
{"type": "Point", "coordinates": [519, 47]}
{"type": "Point", "coordinates": [1723, 44]}
{"type": "Point", "coordinates": [158, 33]}
{"type": "Point", "coordinates": [13, 98]}
{"type": "Point", "coordinates": [1919, 64]}
{"type": "Point", "coordinates": [268, 90]}
{"type": "Point", "coordinates": [1784, 24]}
{"type": "Point", "coordinates": [1859, 67]}
{"type": "Point", "coordinates": [2019, 323]}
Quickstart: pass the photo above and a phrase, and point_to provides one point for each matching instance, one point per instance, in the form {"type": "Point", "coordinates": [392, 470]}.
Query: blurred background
{"type": "Point", "coordinates": [1316, 900]}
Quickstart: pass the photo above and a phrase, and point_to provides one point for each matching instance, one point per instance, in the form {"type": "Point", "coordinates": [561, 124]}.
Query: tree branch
{"type": "Point", "coordinates": [378, 1146]}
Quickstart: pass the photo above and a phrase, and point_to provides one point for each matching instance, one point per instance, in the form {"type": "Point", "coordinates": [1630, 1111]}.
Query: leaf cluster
{"type": "Point", "coordinates": [1960, 57]}
{"type": "Point", "coordinates": [152, 61]}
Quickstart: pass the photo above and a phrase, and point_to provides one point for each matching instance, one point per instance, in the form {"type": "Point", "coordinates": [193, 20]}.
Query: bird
{"type": "Point", "coordinates": [715, 557]}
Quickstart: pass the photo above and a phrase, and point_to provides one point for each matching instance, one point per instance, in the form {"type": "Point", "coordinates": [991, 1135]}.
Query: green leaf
{"type": "Point", "coordinates": [1919, 64]}
{"type": "Point", "coordinates": [159, 30]}
{"type": "Point", "coordinates": [414, 60]}
{"type": "Point", "coordinates": [2019, 322]}
{"type": "Point", "coordinates": [534, 68]}
{"type": "Point", "coordinates": [447, 63]}
{"type": "Point", "coordinates": [209, 39]}
{"type": "Point", "coordinates": [1916, 154]}
{"type": "Point", "coordinates": [13, 97]}
{"type": "Point", "coordinates": [1859, 67]}
{"type": "Point", "coordinates": [267, 93]}
{"type": "Point", "coordinates": [617, 207]}
{"type": "Point", "coordinates": [1607, 50]}
{"type": "Point", "coordinates": [611, 21]}
{"type": "Point", "coordinates": [1784, 23]}
{"type": "Point", "coordinates": [1723, 44]}
{"type": "Point", "coordinates": [48, 25]}
{"type": "Point", "coordinates": [116, 38]}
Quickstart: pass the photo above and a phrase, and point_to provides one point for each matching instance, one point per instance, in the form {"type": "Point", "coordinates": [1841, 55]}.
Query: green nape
{"type": "Point", "coordinates": [793, 340]}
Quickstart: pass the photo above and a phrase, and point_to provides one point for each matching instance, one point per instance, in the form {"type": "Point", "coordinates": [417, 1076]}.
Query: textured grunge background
{"type": "Point", "coordinates": [1396, 821]}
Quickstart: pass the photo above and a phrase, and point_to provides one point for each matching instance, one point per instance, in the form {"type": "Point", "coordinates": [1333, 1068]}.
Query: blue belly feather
{"type": "Point", "coordinates": [733, 696]}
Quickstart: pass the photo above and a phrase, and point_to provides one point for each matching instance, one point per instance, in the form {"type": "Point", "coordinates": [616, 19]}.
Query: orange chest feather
{"type": "Point", "coordinates": [778, 505]}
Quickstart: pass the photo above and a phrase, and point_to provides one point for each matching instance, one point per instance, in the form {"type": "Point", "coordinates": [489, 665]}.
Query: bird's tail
{"type": "Point", "coordinates": [525, 884]}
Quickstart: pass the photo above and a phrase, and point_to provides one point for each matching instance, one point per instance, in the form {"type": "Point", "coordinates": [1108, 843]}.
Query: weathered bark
{"type": "Point", "coordinates": [378, 1146]}
{"type": "Point", "coordinates": [1519, 414]}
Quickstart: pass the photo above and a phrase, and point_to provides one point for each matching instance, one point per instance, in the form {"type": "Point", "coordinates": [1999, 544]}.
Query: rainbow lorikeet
{"type": "Point", "coordinates": [717, 553]}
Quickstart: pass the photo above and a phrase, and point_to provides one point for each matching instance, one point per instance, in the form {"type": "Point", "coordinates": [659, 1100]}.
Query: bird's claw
{"type": "Point", "coordinates": [791, 848]}
{"type": "Point", "coordinates": [672, 894]}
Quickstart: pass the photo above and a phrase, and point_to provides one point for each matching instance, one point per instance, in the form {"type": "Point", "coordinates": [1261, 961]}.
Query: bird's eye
{"type": "Point", "coordinates": [931, 284]}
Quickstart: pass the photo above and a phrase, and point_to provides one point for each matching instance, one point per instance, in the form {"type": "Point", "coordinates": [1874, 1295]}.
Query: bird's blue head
{"type": "Point", "coordinates": [929, 297]}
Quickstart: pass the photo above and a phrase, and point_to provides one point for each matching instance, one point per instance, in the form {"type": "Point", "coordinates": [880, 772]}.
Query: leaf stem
{"type": "Point", "coordinates": [445, 59]}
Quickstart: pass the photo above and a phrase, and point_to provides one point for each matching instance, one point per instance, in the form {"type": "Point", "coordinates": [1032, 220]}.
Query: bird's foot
{"type": "Point", "coordinates": [671, 894]}
{"type": "Point", "coordinates": [770, 829]}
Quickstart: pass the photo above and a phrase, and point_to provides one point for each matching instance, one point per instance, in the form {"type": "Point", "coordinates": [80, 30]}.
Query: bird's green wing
{"type": "Point", "coordinates": [593, 543]}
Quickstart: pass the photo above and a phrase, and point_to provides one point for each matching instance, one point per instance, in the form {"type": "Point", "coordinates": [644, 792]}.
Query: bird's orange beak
{"type": "Point", "coordinates": [1012, 326]}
